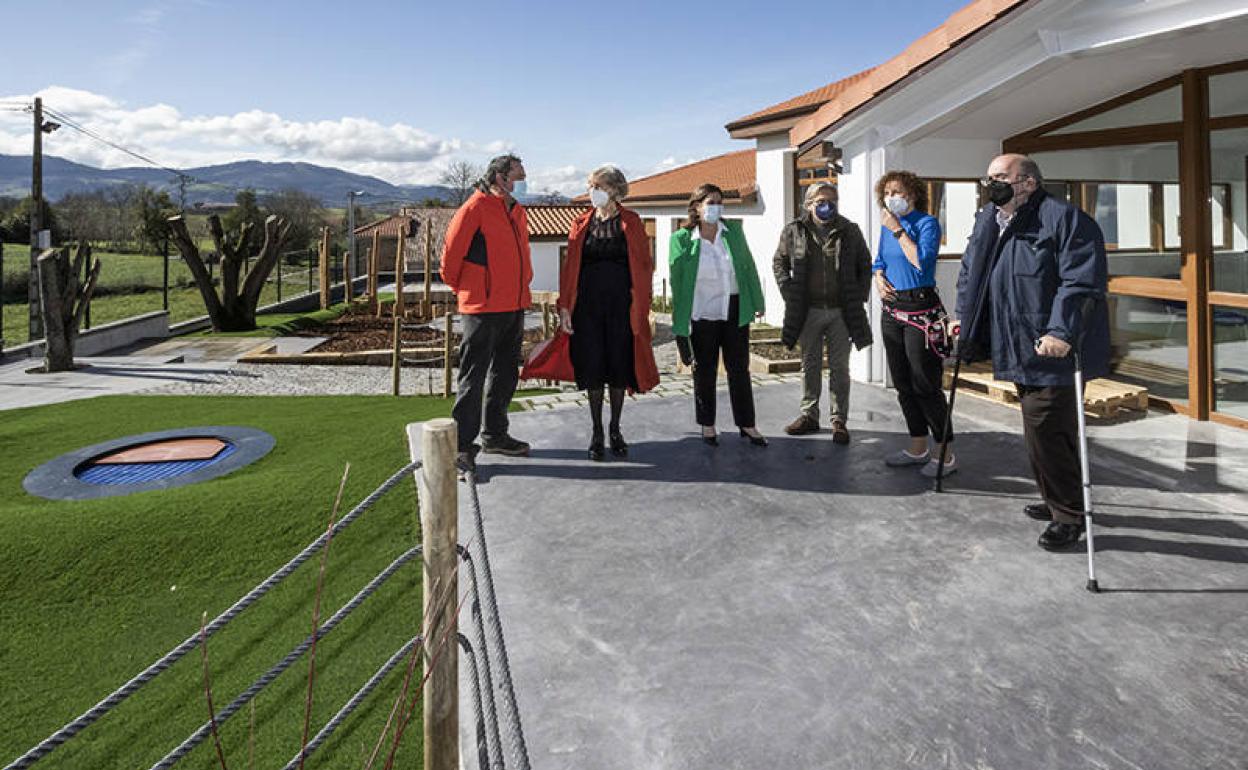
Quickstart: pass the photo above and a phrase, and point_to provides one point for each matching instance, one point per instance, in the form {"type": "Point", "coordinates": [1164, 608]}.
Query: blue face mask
{"type": "Point", "coordinates": [519, 188]}
{"type": "Point", "coordinates": [825, 210]}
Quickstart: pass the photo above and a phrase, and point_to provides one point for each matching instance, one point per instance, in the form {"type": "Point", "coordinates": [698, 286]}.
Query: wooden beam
{"type": "Point", "coordinates": [1148, 133]}
{"type": "Point", "coordinates": [1097, 109]}
{"type": "Point", "coordinates": [1194, 230]}
{"type": "Point", "coordinates": [1150, 288]}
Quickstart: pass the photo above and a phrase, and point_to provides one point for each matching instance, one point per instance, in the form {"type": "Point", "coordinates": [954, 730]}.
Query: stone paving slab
{"type": "Point", "coordinates": [802, 606]}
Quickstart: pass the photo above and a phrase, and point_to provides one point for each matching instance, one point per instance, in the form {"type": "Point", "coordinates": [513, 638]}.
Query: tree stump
{"type": "Point", "coordinates": [63, 301]}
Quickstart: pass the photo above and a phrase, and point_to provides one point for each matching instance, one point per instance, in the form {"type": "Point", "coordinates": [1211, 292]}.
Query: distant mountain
{"type": "Point", "coordinates": [212, 184]}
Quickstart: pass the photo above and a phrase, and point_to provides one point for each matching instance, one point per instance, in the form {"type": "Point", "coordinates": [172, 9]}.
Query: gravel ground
{"type": "Point", "coordinates": [283, 380]}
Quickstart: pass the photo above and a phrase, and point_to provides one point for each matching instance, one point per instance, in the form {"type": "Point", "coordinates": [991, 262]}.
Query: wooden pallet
{"type": "Point", "coordinates": [1101, 397]}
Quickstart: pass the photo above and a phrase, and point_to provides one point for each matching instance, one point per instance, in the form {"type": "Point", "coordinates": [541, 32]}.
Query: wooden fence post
{"type": "Point", "coordinates": [396, 360]}
{"type": "Point", "coordinates": [348, 295]}
{"type": "Point", "coordinates": [446, 353]}
{"type": "Point", "coordinates": [439, 524]}
{"type": "Point", "coordinates": [374, 265]}
{"type": "Point", "coordinates": [322, 257]}
{"type": "Point", "coordinates": [426, 308]}
{"type": "Point", "coordinates": [399, 308]}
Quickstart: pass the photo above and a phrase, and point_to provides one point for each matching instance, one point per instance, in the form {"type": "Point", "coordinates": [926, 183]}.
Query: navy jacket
{"type": "Point", "coordinates": [1038, 273]}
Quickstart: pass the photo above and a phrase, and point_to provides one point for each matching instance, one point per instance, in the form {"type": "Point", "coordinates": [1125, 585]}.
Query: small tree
{"type": "Point", "coordinates": [63, 300]}
{"type": "Point", "coordinates": [18, 223]}
{"type": "Point", "coordinates": [303, 212]}
{"type": "Point", "coordinates": [152, 209]}
{"type": "Point", "coordinates": [234, 309]}
{"type": "Point", "coordinates": [460, 176]}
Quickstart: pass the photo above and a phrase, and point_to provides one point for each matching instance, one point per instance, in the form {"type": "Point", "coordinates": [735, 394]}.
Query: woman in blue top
{"type": "Point", "coordinates": [905, 277]}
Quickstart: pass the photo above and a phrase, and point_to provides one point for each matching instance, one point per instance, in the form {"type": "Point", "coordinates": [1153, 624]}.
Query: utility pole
{"type": "Point", "coordinates": [36, 223]}
{"type": "Point", "coordinates": [36, 217]}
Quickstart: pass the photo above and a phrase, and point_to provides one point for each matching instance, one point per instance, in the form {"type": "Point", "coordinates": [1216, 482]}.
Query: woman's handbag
{"type": "Point", "coordinates": [550, 360]}
{"type": "Point", "coordinates": [935, 324]}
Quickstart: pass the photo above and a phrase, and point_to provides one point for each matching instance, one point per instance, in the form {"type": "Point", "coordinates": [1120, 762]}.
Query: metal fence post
{"type": "Point", "coordinates": [164, 252]}
{"type": "Point", "coordinates": [439, 524]}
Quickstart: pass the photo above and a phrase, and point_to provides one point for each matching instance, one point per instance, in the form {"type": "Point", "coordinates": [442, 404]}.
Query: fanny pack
{"type": "Point", "coordinates": [935, 324]}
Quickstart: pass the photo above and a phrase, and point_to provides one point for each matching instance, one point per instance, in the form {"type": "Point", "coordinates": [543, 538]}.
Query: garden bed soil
{"type": "Point", "coordinates": [355, 332]}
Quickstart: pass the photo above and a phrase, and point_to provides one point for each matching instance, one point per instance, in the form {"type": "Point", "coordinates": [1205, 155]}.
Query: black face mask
{"type": "Point", "coordinates": [1000, 192]}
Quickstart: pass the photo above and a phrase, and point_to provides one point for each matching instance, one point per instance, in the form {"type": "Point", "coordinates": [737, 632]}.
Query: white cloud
{"type": "Point", "coordinates": [398, 152]}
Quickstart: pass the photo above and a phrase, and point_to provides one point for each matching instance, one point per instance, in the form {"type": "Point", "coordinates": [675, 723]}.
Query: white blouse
{"type": "Point", "coordinates": [717, 280]}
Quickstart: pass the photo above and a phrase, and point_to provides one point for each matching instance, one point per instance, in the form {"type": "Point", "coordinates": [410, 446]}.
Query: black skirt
{"type": "Point", "coordinates": [602, 336]}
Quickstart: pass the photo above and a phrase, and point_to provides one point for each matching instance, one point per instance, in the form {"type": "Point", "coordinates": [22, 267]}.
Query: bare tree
{"type": "Point", "coordinates": [460, 176]}
{"type": "Point", "coordinates": [235, 309]}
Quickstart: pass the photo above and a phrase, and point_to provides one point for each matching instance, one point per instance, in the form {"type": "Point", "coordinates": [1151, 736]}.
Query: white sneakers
{"type": "Point", "coordinates": [902, 458]}
{"type": "Point", "coordinates": [932, 466]}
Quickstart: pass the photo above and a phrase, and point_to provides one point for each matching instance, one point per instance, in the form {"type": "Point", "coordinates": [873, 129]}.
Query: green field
{"type": "Point", "coordinates": [130, 285]}
{"type": "Point", "coordinates": [92, 592]}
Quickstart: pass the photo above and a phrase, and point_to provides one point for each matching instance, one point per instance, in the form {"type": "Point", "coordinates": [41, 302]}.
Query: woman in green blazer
{"type": "Point", "coordinates": [715, 295]}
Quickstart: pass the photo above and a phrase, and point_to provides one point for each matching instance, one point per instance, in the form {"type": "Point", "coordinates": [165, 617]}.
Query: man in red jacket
{"type": "Point", "coordinates": [486, 263]}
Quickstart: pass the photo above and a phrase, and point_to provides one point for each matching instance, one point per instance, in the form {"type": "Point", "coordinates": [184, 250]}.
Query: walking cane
{"type": "Point", "coordinates": [953, 392]}
{"type": "Point", "coordinates": [1084, 469]}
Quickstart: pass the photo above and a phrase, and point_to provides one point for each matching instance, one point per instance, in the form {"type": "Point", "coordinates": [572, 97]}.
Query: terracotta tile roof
{"type": "Point", "coordinates": [552, 221]}
{"type": "Point", "coordinates": [733, 172]}
{"type": "Point", "coordinates": [836, 100]}
{"type": "Point", "coordinates": [799, 105]}
{"type": "Point", "coordinates": [436, 218]}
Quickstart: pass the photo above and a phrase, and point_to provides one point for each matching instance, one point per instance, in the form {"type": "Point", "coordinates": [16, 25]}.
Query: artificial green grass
{"type": "Point", "coordinates": [281, 324]}
{"type": "Point", "coordinates": [91, 592]}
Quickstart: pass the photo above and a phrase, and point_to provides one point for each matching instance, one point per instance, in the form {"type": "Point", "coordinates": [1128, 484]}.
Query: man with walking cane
{"type": "Point", "coordinates": [1031, 266]}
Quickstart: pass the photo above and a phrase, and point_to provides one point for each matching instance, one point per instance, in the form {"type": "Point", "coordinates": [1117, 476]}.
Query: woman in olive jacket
{"type": "Point", "coordinates": [715, 295]}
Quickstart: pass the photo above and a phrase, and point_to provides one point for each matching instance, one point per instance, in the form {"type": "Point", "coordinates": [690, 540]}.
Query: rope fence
{"type": "Point", "coordinates": [488, 678]}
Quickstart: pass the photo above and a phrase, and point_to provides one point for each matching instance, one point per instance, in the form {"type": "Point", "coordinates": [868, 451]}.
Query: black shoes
{"type": "Point", "coordinates": [1038, 511]}
{"type": "Point", "coordinates": [756, 440]}
{"type": "Point", "coordinates": [1059, 535]}
{"type": "Point", "coordinates": [711, 438]}
{"type": "Point", "coordinates": [597, 452]}
{"type": "Point", "coordinates": [506, 445]}
{"type": "Point", "coordinates": [619, 447]}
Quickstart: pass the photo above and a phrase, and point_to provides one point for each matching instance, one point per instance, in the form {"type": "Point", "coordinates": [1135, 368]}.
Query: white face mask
{"type": "Point", "coordinates": [711, 212]}
{"type": "Point", "coordinates": [598, 198]}
{"type": "Point", "coordinates": [897, 205]}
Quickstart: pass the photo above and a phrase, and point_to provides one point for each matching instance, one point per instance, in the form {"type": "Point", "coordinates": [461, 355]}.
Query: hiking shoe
{"type": "Point", "coordinates": [1059, 535]}
{"type": "Point", "coordinates": [507, 445]}
{"type": "Point", "coordinates": [1038, 511]}
{"type": "Point", "coordinates": [933, 465]}
{"type": "Point", "coordinates": [802, 426]}
{"type": "Point", "coordinates": [902, 458]}
{"type": "Point", "coordinates": [840, 434]}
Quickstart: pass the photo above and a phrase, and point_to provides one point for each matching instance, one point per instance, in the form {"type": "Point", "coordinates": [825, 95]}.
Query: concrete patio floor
{"type": "Point", "coordinates": [803, 606]}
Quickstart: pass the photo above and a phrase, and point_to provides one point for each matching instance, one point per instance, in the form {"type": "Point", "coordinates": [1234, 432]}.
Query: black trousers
{"type": "Point", "coordinates": [1051, 431]}
{"type": "Point", "coordinates": [709, 339]}
{"type": "Point", "coordinates": [489, 369]}
{"type": "Point", "coordinates": [915, 369]}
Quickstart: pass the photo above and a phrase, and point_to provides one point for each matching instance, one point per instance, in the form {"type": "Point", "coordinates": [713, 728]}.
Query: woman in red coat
{"type": "Point", "coordinates": [605, 287]}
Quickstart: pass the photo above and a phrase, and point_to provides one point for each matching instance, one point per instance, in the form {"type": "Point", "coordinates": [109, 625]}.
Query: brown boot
{"type": "Point", "coordinates": [802, 426]}
{"type": "Point", "coordinates": [840, 434]}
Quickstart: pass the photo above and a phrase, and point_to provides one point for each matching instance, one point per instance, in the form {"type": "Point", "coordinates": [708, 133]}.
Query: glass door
{"type": "Point", "coordinates": [1228, 244]}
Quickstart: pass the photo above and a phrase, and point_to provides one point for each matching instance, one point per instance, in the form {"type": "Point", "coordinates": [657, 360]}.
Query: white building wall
{"type": "Point", "coordinates": [774, 176]}
{"type": "Point", "coordinates": [545, 258]}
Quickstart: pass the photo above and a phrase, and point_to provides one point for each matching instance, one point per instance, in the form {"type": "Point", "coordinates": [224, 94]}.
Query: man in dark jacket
{"type": "Point", "coordinates": [823, 269]}
{"type": "Point", "coordinates": [1032, 286]}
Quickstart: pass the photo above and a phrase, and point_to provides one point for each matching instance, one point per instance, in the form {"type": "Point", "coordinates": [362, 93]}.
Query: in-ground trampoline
{"type": "Point", "coordinates": [149, 461]}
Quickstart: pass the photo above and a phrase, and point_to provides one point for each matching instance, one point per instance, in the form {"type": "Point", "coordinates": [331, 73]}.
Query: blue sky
{"type": "Point", "coordinates": [400, 89]}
